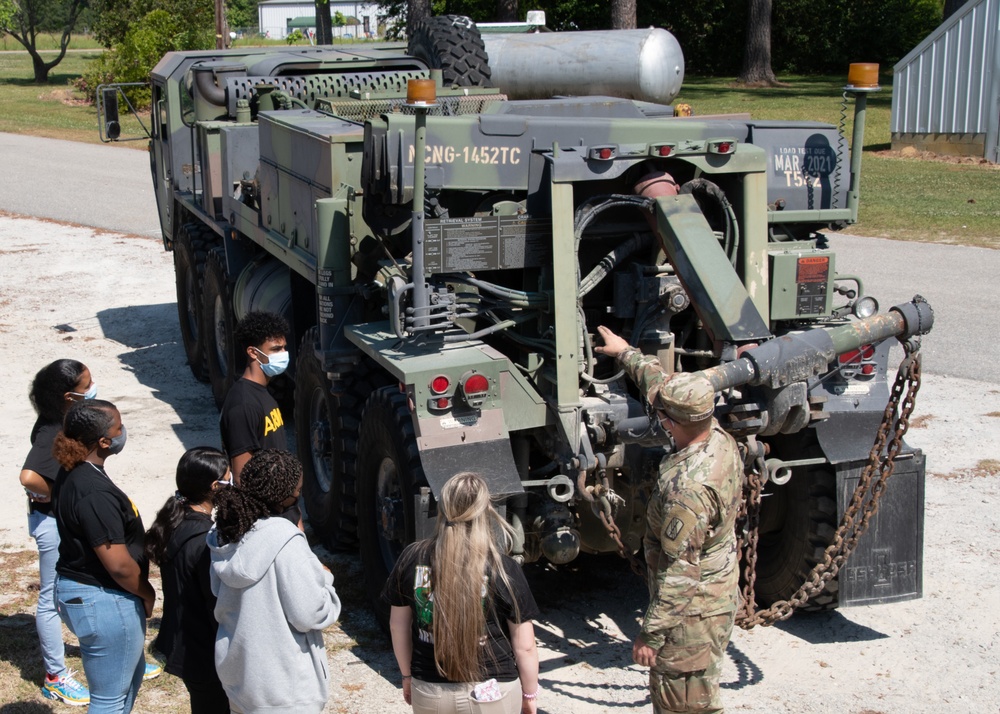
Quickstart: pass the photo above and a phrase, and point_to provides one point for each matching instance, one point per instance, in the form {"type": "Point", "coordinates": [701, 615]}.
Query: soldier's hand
{"type": "Point", "coordinates": [643, 654]}
{"type": "Point", "coordinates": [613, 344]}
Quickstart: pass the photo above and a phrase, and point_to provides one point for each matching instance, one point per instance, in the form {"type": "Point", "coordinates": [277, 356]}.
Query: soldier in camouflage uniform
{"type": "Point", "coordinates": [690, 541]}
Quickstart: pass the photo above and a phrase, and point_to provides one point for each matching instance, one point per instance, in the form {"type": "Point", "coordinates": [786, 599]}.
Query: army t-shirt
{"type": "Point", "coordinates": [251, 420]}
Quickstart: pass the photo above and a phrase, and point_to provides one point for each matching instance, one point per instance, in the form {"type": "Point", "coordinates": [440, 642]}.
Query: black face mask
{"type": "Point", "coordinates": [118, 442]}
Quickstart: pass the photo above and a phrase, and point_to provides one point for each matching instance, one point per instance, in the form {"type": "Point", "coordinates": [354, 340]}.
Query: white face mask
{"type": "Point", "coordinates": [89, 394]}
{"type": "Point", "coordinates": [277, 363]}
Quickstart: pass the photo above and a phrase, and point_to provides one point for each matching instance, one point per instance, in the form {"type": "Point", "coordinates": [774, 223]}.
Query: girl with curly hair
{"type": "Point", "coordinates": [102, 584]}
{"type": "Point", "coordinates": [176, 542]}
{"type": "Point", "coordinates": [274, 597]}
{"type": "Point", "coordinates": [461, 609]}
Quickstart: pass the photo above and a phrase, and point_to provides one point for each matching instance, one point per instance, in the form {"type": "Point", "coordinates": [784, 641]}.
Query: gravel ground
{"type": "Point", "coordinates": [108, 299]}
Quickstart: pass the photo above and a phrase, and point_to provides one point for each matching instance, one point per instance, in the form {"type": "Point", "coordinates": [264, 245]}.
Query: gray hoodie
{"type": "Point", "coordinates": [275, 599]}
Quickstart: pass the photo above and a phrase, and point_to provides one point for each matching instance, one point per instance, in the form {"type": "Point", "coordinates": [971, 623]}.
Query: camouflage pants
{"type": "Point", "coordinates": [685, 677]}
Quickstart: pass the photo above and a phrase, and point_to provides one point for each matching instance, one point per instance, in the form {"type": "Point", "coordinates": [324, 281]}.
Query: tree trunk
{"type": "Point", "coordinates": [417, 10]}
{"type": "Point", "coordinates": [622, 14]}
{"type": "Point", "coordinates": [324, 29]}
{"type": "Point", "coordinates": [951, 7]}
{"type": "Point", "coordinates": [41, 69]}
{"type": "Point", "coordinates": [506, 10]}
{"type": "Point", "coordinates": [757, 50]}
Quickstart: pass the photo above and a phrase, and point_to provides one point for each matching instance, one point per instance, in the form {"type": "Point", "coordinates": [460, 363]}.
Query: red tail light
{"type": "Point", "coordinates": [475, 385]}
{"type": "Point", "coordinates": [440, 384]}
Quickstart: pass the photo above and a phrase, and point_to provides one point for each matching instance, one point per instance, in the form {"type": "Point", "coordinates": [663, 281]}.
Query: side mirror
{"type": "Point", "coordinates": [109, 100]}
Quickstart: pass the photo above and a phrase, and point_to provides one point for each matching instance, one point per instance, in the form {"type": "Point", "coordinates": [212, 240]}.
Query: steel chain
{"type": "Point", "coordinates": [608, 521]}
{"type": "Point", "coordinates": [850, 529]}
{"type": "Point", "coordinates": [747, 523]}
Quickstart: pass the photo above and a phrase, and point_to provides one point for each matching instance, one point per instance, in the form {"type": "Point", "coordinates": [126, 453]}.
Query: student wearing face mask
{"type": "Point", "coordinates": [176, 542]}
{"type": "Point", "coordinates": [251, 419]}
{"type": "Point", "coordinates": [57, 386]}
{"type": "Point", "coordinates": [102, 584]}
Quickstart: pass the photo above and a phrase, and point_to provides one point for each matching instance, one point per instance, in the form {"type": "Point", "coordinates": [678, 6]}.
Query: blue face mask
{"type": "Point", "coordinates": [89, 394]}
{"type": "Point", "coordinates": [276, 363]}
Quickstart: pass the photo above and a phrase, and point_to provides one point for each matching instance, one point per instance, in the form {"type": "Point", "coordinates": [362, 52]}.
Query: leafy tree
{"type": "Point", "coordinates": [7, 10]}
{"type": "Point", "coordinates": [241, 13]}
{"type": "Point", "coordinates": [25, 19]}
{"type": "Point", "coordinates": [131, 60]}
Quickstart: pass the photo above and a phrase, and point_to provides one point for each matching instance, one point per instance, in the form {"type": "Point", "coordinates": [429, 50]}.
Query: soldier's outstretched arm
{"type": "Point", "coordinates": [613, 344]}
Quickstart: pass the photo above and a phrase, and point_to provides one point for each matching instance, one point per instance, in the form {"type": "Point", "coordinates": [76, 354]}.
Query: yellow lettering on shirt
{"type": "Point", "coordinates": [273, 421]}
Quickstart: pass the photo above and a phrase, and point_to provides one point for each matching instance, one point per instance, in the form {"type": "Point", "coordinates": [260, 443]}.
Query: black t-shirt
{"type": "Point", "coordinates": [40, 458]}
{"type": "Point", "coordinates": [251, 420]}
{"type": "Point", "coordinates": [409, 585]}
{"type": "Point", "coordinates": [187, 631]}
{"type": "Point", "coordinates": [91, 510]}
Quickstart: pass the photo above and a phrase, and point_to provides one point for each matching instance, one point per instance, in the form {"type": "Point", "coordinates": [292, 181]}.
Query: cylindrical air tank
{"type": "Point", "coordinates": [647, 65]}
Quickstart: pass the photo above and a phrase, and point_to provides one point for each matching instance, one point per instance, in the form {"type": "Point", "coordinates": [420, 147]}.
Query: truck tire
{"type": "Point", "coordinates": [190, 252]}
{"type": "Point", "coordinates": [220, 322]}
{"type": "Point", "coordinates": [326, 434]}
{"type": "Point", "coordinates": [452, 43]}
{"type": "Point", "coordinates": [389, 476]}
{"type": "Point", "coordinates": [798, 521]}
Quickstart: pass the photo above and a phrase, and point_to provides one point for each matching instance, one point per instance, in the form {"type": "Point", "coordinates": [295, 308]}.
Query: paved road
{"type": "Point", "coordinates": [108, 186]}
{"type": "Point", "coordinates": [99, 185]}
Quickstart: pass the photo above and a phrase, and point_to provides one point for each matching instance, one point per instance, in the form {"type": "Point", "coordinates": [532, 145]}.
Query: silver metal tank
{"type": "Point", "coordinates": [647, 65]}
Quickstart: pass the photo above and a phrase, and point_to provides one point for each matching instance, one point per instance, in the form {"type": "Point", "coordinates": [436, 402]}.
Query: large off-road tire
{"type": "Point", "coordinates": [798, 521]}
{"type": "Point", "coordinates": [219, 322]}
{"type": "Point", "coordinates": [326, 433]}
{"type": "Point", "coordinates": [452, 43]}
{"type": "Point", "coordinates": [190, 253]}
{"type": "Point", "coordinates": [389, 476]}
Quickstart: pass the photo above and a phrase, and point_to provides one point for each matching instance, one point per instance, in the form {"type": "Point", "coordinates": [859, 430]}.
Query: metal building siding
{"type": "Point", "coordinates": [946, 85]}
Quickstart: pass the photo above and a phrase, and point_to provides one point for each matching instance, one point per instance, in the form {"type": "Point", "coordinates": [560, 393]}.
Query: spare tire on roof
{"type": "Point", "coordinates": [452, 43]}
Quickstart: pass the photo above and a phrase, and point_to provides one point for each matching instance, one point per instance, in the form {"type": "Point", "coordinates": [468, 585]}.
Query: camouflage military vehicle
{"type": "Point", "coordinates": [445, 255]}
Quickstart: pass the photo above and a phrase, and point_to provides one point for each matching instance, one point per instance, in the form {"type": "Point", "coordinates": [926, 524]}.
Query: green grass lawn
{"type": "Point", "coordinates": [907, 199]}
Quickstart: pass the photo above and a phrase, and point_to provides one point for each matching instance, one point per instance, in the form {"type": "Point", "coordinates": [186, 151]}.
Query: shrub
{"type": "Point", "coordinates": [157, 33]}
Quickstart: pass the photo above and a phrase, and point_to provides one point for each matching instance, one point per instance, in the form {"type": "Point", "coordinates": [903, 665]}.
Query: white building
{"type": "Point", "coordinates": [274, 17]}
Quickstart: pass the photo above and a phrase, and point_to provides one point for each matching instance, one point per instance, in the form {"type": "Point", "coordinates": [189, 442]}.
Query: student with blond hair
{"type": "Point", "coordinates": [461, 609]}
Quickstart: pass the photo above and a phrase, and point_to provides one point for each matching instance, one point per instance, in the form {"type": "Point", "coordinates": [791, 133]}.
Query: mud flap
{"type": "Point", "coordinates": [480, 443]}
{"type": "Point", "coordinates": [887, 565]}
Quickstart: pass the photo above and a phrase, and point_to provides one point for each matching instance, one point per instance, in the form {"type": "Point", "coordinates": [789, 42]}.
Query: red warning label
{"type": "Point", "coordinates": [814, 269]}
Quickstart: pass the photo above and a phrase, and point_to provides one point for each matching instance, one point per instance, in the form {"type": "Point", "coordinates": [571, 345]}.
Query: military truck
{"type": "Point", "coordinates": [445, 250]}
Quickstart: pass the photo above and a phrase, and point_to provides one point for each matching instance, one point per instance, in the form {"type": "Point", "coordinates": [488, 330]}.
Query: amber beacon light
{"type": "Point", "coordinates": [421, 93]}
{"type": "Point", "coordinates": [863, 77]}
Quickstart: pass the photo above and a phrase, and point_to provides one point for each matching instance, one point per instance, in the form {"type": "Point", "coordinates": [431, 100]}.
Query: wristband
{"type": "Point", "coordinates": [407, 676]}
{"type": "Point", "coordinates": [531, 696]}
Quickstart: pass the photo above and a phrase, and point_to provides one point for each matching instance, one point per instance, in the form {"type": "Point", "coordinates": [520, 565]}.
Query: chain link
{"type": "Point", "coordinates": [865, 500]}
{"type": "Point", "coordinates": [604, 514]}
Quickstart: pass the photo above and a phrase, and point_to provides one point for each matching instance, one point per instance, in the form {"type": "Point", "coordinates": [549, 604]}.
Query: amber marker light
{"type": "Point", "coordinates": [421, 93]}
{"type": "Point", "coordinates": [863, 77]}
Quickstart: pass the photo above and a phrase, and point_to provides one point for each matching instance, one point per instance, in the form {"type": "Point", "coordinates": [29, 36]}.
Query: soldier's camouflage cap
{"type": "Point", "coordinates": [686, 398]}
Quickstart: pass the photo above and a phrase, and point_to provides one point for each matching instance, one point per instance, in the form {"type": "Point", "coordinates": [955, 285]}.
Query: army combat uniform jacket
{"type": "Point", "coordinates": [690, 541]}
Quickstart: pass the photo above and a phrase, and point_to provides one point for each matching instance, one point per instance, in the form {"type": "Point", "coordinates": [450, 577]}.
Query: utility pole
{"type": "Point", "coordinates": [221, 33]}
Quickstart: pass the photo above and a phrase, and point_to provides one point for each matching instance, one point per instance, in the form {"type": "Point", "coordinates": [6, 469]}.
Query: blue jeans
{"type": "Point", "coordinates": [42, 528]}
{"type": "Point", "coordinates": [111, 627]}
